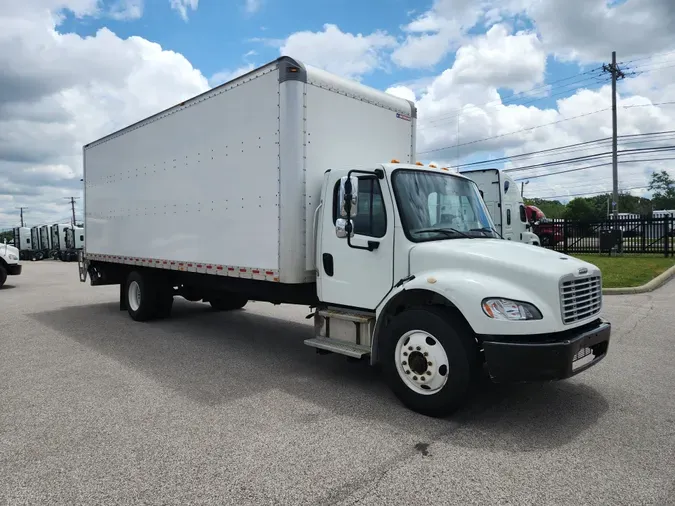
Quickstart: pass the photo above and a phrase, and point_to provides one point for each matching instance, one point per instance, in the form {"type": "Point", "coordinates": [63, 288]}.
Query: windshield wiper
{"type": "Point", "coordinates": [446, 231]}
{"type": "Point", "coordinates": [486, 229]}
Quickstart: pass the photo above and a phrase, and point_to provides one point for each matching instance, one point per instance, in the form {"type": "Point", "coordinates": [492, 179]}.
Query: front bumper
{"type": "Point", "coordinates": [14, 269]}
{"type": "Point", "coordinates": [546, 357]}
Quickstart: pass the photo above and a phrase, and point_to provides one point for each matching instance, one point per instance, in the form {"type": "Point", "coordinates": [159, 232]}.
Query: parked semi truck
{"type": "Point", "coordinates": [58, 234]}
{"type": "Point", "coordinates": [73, 244]}
{"type": "Point", "coordinates": [291, 185]}
{"type": "Point", "coordinates": [506, 206]}
{"type": "Point", "coordinates": [22, 241]}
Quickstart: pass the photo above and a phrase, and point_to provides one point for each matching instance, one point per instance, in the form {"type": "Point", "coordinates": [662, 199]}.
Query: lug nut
{"type": "Point", "coordinates": [426, 353]}
{"type": "Point", "coordinates": [428, 363]}
{"type": "Point", "coordinates": [404, 362]}
{"type": "Point", "coordinates": [410, 348]}
{"type": "Point", "coordinates": [407, 372]}
{"type": "Point", "coordinates": [415, 378]}
{"type": "Point", "coordinates": [405, 353]}
{"type": "Point", "coordinates": [422, 378]}
{"type": "Point", "coordinates": [419, 348]}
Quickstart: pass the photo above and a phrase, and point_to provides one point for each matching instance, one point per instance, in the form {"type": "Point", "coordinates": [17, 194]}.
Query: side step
{"type": "Point", "coordinates": [340, 347]}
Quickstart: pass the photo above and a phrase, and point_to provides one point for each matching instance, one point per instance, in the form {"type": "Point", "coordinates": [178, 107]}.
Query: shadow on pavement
{"type": "Point", "coordinates": [215, 358]}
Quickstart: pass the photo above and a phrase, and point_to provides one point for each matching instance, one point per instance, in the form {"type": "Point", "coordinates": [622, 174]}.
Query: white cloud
{"type": "Point", "coordinates": [252, 6]}
{"type": "Point", "coordinates": [182, 6]}
{"type": "Point", "coordinates": [342, 53]}
{"type": "Point", "coordinates": [60, 91]}
{"type": "Point", "coordinates": [433, 34]}
{"type": "Point", "coordinates": [127, 9]}
{"type": "Point", "coordinates": [228, 75]}
{"type": "Point", "coordinates": [501, 60]}
{"type": "Point", "coordinates": [402, 92]}
{"type": "Point", "coordinates": [589, 30]}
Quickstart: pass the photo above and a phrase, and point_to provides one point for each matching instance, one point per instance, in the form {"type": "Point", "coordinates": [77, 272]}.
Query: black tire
{"type": "Point", "coordinates": [147, 307]}
{"type": "Point", "coordinates": [460, 348]}
{"type": "Point", "coordinates": [546, 241]}
{"type": "Point", "coordinates": [3, 275]}
{"type": "Point", "coordinates": [228, 302]}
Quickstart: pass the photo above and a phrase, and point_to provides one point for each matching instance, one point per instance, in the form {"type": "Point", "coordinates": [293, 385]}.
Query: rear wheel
{"type": "Point", "coordinates": [228, 302]}
{"type": "Point", "coordinates": [142, 296]}
{"type": "Point", "coordinates": [429, 360]}
{"type": "Point", "coordinates": [3, 275]}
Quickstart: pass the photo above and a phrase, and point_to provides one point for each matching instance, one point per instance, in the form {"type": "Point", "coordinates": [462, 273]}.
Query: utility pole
{"type": "Point", "coordinates": [522, 188]}
{"type": "Point", "coordinates": [616, 73]}
{"type": "Point", "coordinates": [72, 204]}
{"type": "Point", "coordinates": [21, 209]}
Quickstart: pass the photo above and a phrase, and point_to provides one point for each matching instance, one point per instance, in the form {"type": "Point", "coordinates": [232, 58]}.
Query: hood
{"type": "Point", "coordinates": [500, 258]}
{"type": "Point", "coordinates": [6, 249]}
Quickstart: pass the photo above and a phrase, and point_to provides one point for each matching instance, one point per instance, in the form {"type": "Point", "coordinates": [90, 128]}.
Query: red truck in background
{"type": "Point", "coordinates": [549, 232]}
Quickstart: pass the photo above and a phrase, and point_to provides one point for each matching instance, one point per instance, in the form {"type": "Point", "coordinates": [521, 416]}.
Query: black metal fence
{"type": "Point", "coordinates": [627, 235]}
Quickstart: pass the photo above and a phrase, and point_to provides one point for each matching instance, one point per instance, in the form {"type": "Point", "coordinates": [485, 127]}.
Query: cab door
{"type": "Point", "coordinates": [349, 273]}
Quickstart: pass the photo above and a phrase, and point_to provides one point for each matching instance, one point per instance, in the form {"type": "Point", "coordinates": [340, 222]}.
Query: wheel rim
{"type": "Point", "coordinates": [421, 362]}
{"type": "Point", "coordinates": [134, 295]}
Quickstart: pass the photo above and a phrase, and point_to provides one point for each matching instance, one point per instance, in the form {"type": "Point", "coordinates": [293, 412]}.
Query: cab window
{"type": "Point", "coordinates": [371, 219]}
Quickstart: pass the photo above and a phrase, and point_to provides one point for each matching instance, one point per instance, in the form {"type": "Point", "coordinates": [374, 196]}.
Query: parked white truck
{"type": "Point", "coordinates": [507, 208]}
{"type": "Point", "coordinates": [271, 187]}
{"type": "Point", "coordinates": [73, 244]}
{"type": "Point", "coordinates": [22, 241]}
{"type": "Point", "coordinates": [58, 233]}
{"type": "Point", "coordinates": [9, 262]}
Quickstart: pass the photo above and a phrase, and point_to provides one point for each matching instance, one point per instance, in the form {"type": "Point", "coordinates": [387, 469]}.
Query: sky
{"type": "Point", "coordinates": [495, 81]}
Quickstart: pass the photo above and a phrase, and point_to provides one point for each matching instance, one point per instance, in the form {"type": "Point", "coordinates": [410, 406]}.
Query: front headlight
{"type": "Point", "coordinates": [512, 310]}
{"type": "Point", "coordinates": [13, 257]}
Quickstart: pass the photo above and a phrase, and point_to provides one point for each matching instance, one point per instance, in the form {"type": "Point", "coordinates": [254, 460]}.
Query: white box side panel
{"type": "Point", "coordinates": [345, 132]}
{"type": "Point", "coordinates": [199, 184]}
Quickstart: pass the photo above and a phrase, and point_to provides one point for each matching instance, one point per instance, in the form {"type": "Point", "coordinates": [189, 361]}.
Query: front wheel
{"type": "Point", "coordinates": [429, 360]}
{"type": "Point", "coordinates": [3, 275]}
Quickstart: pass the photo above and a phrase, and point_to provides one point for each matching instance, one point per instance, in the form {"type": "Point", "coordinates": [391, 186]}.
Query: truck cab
{"type": "Point", "coordinates": [506, 206]}
{"type": "Point", "coordinates": [410, 271]}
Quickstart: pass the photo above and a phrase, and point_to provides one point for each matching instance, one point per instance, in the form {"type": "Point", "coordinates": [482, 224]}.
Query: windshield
{"type": "Point", "coordinates": [438, 206]}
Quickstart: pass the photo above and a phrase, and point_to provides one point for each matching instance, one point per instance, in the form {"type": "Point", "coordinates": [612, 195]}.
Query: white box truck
{"type": "Point", "coordinates": [507, 208]}
{"type": "Point", "coordinates": [272, 187]}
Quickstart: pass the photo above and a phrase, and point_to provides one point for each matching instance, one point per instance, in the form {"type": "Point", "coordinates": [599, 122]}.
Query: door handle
{"type": "Point", "coordinates": [328, 265]}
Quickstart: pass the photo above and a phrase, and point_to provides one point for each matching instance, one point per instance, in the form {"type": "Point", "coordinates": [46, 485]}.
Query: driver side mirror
{"type": "Point", "coordinates": [341, 228]}
{"type": "Point", "coordinates": [349, 196]}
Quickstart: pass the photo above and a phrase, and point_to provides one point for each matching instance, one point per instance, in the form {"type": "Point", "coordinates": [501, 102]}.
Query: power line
{"type": "Point", "coordinates": [565, 149]}
{"type": "Point", "coordinates": [536, 176]}
{"type": "Point", "coordinates": [608, 192]}
{"type": "Point", "coordinates": [514, 132]}
{"type": "Point", "coordinates": [589, 157]}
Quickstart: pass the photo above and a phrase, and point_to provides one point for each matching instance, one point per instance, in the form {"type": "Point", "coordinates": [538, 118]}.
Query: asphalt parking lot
{"type": "Point", "coordinates": [234, 409]}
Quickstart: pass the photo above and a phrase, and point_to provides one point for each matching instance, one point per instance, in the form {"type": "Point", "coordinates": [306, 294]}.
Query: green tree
{"type": "Point", "coordinates": [6, 234]}
{"type": "Point", "coordinates": [551, 208]}
{"type": "Point", "coordinates": [662, 187]}
{"type": "Point", "coordinates": [580, 209]}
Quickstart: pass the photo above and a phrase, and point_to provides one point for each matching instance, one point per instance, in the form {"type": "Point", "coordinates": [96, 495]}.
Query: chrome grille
{"type": "Point", "coordinates": [580, 298]}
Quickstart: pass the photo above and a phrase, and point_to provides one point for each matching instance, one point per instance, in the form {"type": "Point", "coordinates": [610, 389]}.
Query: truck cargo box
{"type": "Point", "coordinates": [228, 182]}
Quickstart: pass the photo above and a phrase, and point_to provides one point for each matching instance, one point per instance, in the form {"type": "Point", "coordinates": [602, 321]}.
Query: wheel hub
{"type": "Point", "coordinates": [421, 362]}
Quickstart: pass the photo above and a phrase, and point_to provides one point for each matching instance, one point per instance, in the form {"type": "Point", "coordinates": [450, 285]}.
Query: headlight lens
{"type": "Point", "coordinates": [511, 310]}
{"type": "Point", "coordinates": [13, 257]}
